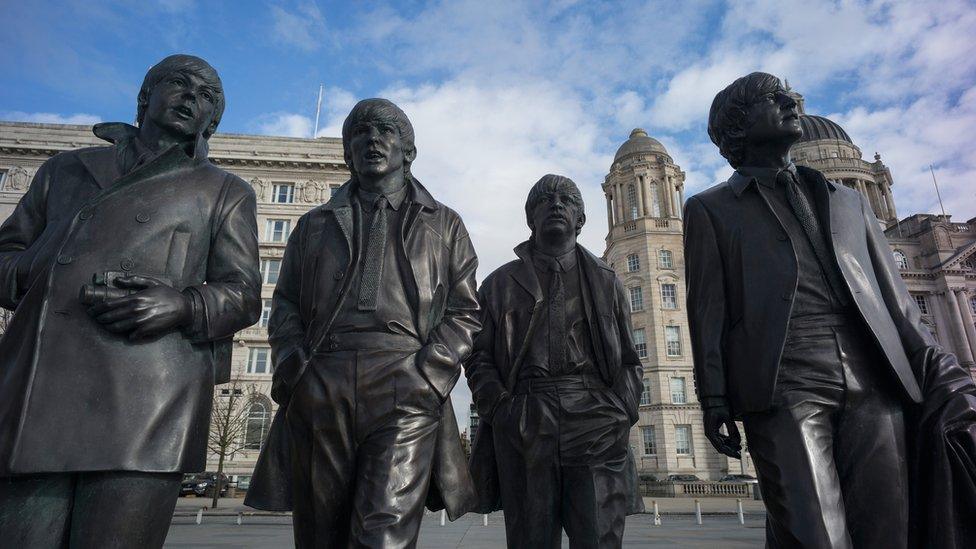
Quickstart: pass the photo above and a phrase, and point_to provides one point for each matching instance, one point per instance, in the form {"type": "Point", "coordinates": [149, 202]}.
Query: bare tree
{"type": "Point", "coordinates": [228, 425]}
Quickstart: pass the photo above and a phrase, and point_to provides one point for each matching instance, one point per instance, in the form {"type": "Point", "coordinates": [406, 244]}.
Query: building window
{"type": "Point", "coordinates": [647, 437]}
{"type": "Point", "coordinates": [972, 304]}
{"type": "Point", "coordinates": [632, 201]}
{"type": "Point", "coordinates": [682, 440]}
{"type": "Point", "coordinates": [669, 296]}
{"type": "Point", "coordinates": [900, 259]}
{"type": "Point", "coordinates": [269, 270]}
{"type": "Point", "coordinates": [655, 200]}
{"type": "Point", "coordinates": [277, 230]}
{"type": "Point", "coordinates": [265, 313]}
{"type": "Point", "coordinates": [678, 395]}
{"type": "Point", "coordinates": [923, 304]}
{"type": "Point", "coordinates": [640, 342]}
{"type": "Point", "coordinates": [636, 299]}
{"type": "Point", "coordinates": [258, 362]}
{"type": "Point", "coordinates": [646, 393]}
{"type": "Point", "coordinates": [283, 193]}
{"type": "Point", "coordinates": [664, 259]}
{"type": "Point", "coordinates": [672, 340]}
{"type": "Point", "coordinates": [633, 263]}
{"type": "Point", "coordinates": [3, 179]}
{"type": "Point", "coordinates": [257, 426]}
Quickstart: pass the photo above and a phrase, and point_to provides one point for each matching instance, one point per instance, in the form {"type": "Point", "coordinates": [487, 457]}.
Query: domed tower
{"type": "Point", "coordinates": [644, 192]}
{"type": "Point", "coordinates": [825, 146]}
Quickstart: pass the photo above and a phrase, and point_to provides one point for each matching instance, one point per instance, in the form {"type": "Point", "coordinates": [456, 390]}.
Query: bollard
{"type": "Point", "coordinates": [657, 515]}
{"type": "Point", "coordinates": [443, 517]}
{"type": "Point", "coordinates": [200, 515]}
{"type": "Point", "coordinates": [240, 518]}
{"type": "Point", "coordinates": [698, 512]}
{"type": "Point", "coordinates": [742, 518]}
{"type": "Point", "coordinates": [485, 523]}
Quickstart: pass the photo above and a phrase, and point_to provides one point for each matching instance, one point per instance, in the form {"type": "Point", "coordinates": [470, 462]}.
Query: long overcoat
{"type": "Point", "coordinates": [440, 280]}
{"type": "Point", "coordinates": [742, 277]}
{"type": "Point", "coordinates": [512, 305]}
{"type": "Point", "coordinates": [75, 397]}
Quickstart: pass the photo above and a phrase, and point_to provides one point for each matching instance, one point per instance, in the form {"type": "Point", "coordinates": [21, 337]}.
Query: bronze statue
{"type": "Point", "coordinates": [557, 381]}
{"type": "Point", "coordinates": [374, 310]}
{"type": "Point", "coordinates": [802, 328]}
{"type": "Point", "coordinates": [129, 266]}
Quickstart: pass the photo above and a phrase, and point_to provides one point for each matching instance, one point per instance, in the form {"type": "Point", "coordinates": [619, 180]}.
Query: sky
{"type": "Point", "coordinates": [503, 92]}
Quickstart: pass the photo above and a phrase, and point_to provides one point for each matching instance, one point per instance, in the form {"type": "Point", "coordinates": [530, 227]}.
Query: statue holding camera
{"type": "Point", "coordinates": [129, 266]}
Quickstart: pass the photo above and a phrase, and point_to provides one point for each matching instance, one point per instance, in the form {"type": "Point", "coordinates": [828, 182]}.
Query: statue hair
{"type": "Point", "coordinates": [728, 118]}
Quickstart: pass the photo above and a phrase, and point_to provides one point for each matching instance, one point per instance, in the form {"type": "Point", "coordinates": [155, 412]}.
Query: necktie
{"type": "Point", "coordinates": [811, 226]}
{"type": "Point", "coordinates": [373, 264]}
{"type": "Point", "coordinates": [557, 319]}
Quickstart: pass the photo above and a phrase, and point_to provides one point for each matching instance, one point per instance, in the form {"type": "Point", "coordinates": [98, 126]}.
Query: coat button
{"type": "Point", "coordinates": [781, 238]}
{"type": "Point", "coordinates": [85, 214]}
{"type": "Point", "coordinates": [127, 264]}
{"type": "Point", "coordinates": [64, 259]}
{"type": "Point", "coordinates": [338, 275]}
{"type": "Point", "coordinates": [142, 217]}
{"type": "Point", "coordinates": [787, 296]}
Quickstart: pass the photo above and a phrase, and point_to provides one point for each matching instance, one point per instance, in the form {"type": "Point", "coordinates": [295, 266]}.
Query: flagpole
{"type": "Point", "coordinates": [937, 193]}
{"type": "Point", "coordinates": [318, 109]}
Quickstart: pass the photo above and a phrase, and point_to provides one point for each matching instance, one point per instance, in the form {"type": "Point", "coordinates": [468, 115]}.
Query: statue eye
{"type": "Point", "coordinates": [207, 95]}
{"type": "Point", "coordinates": [177, 81]}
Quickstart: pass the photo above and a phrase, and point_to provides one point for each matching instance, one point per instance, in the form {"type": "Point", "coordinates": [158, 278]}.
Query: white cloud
{"type": "Point", "coordinates": [283, 124]}
{"type": "Point", "coordinates": [50, 117]}
{"type": "Point", "coordinates": [303, 28]}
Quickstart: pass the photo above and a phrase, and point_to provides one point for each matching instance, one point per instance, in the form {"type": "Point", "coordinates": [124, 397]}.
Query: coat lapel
{"type": "Point", "coordinates": [525, 276]}
{"type": "Point", "coordinates": [101, 165]}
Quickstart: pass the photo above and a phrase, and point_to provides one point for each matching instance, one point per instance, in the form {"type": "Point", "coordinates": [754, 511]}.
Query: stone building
{"type": "Point", "coordinates": [645, 193]}
{"type": "Point", "coordinates": [289, 176]}
{"type": "Point", "coordinates": [937, 260]}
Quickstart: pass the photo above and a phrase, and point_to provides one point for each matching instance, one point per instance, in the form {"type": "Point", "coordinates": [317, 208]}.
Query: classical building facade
{"type": "Point", "coordinates": [289, 176]}
{"type": "Point", "coordinates": [645, 193]}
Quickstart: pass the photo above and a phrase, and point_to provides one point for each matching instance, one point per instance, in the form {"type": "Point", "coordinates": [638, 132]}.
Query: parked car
{"type": "Point", "coordinates": [747, 479]}
{"type": "Point", "coordinates": [683, 478]}
{"type": "Point", "coordinates": [203, 484]}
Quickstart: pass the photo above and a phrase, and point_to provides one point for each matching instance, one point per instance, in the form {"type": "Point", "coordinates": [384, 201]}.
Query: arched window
{"type": "Point", "coordinates": [900, 259]}
{"type": "Point", "coordinates": [257, 425]}
{"type": "Point", "coordinates": [632, 201]}
{"type": "Point", "coordinates": [655, 200]}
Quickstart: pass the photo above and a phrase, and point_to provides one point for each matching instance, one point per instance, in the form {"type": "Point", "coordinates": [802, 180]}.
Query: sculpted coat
{"type": "Point", "coordinates": [106, 402]}
{"type": "Point", "coordinates": [441, 265]}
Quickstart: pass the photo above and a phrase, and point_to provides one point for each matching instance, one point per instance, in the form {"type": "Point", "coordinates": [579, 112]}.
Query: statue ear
{"type": "Point", "coordinates": [580, 222]}
{"type": "Point", "coordinates": [410, 155]}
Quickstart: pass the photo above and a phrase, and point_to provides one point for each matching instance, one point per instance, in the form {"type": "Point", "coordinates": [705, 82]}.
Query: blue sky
{"type": "Point", "coordinates": [503, 92]}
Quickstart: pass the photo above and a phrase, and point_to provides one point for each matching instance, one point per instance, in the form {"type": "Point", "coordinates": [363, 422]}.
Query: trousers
{"type": "Point", "coordinates": [830, 453]}
{"type": "Point", "coordinates": [561, 451]}
{"type": "Point", "coordinates": [121, 509]}
{"type": "Point", "coordinates": [364, 426]}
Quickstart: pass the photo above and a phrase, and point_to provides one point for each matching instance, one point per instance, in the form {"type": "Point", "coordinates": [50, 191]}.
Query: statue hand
{"type": "Point", "coordinates": [729, 444]}
{"type": "Point", "coordinates": [154, 309]}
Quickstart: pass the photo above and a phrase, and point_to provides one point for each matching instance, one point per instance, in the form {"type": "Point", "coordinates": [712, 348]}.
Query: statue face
{"type": "Point", "coordinates": [182, 104]}
{"type": "Point", "coordinates": [557, 213]}
{"type": "Point", "coordinates": [773, 117]}
{"type": "Point", "coordinates": [376, 149]}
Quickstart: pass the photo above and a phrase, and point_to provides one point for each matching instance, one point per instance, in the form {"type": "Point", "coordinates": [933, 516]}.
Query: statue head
{"type": "Point", "coordinates": [377, 138]}
{"type": "Point", "coordinates": [183, 95]}
{"type": "Point", "coordinates": [555, 206]}
{"type": "Point", "coordinates": [754, 111]}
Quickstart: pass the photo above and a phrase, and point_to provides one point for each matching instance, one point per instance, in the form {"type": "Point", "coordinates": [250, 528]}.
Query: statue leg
{"type": "Point", "coordinates": [594, 434]}
{"type": "Point", "coordinates": [121, 509]}
{"type": "Point", "coordinates": [35, 509]}
{"type": "Point", "coordinates": [792, 445]}
{"type": "Point", "coordinates": [870, 450]}
{"type": "Point", "coordinates": [320, 418]}
{"type": "Point", "coordinates": [397, 421]}
{"type": "Point", "coordinates": [525, 437]}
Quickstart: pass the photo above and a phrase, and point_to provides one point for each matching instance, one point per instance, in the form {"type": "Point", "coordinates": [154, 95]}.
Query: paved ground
{"type": "Point", "coordinates": [720, 528]}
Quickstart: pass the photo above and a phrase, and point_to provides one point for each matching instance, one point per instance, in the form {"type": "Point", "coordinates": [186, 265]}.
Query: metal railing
{"type": "Point", "coordinates": [697, 489]}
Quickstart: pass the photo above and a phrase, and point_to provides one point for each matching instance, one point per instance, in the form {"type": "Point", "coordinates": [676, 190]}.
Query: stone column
{"type": "Point", "coordinates": [609, 210]}
{"type": "Point", "coordinates": [963, 350]}
{"type": "Point", "coordinates": [667, 196]}
{"type": "Point", "coordinates": [641, 212]}
{"type": "Point", "coordinates": [962, 299]}
{"type": "Point", "coordinates": [618, 200]}
{"type": "Point", "coordinates": [681, 202]}
{"type": "Point", "coordinates": [941, 320]}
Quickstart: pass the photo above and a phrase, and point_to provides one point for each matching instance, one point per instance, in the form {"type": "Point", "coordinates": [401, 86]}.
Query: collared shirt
{"type": "Point", "coordinates": [579, 348]}
{"type": "Point", "coordinates": [393, 313]}
{"type": "Point", "coordinates": [813, 293]}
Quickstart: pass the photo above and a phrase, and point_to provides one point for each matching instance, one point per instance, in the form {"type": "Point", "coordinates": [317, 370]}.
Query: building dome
{"type": "Point", "coordinates": [639, 142]}
{"type": "Point", "coordinates": [816, 128]}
